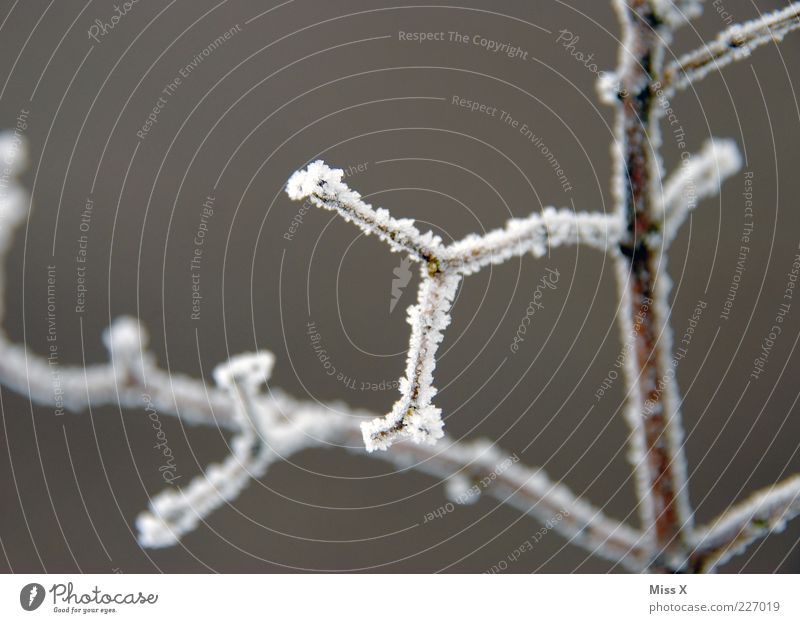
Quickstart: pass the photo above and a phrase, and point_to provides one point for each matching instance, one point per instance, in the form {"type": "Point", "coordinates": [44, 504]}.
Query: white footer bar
{"type": "Point", "coordinates": [401, 598]}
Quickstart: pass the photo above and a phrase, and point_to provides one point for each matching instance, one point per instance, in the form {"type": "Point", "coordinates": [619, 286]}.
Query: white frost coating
{"type": "Point", "coordinates": [733, 44]}
{"type": "Point", "coordinates": [698, 177]}
{"type": "Point", "coordinates": [261, 440]}
{"type": "Point", "coordinates": [12, 207]}
{"type": "Point", "coordinates": [13, 199]}
{"type": "Point", "coordinates": [247, 369]}
{"type": "Point", "coordinates": [304, 183]}
{"type": "Point", "coordinates": [324, 187]}
{"type": "Point", "coordinates": [671, 399]}
{"type": "Point", "coordinates": [637, 443]}
{"type": "Point", "coordinates": [677, 12]}
{"type": "Point", "coordinates": [174, 513]}
{"type": "Point", "coordinates": [281, 427]}
{"type": "Point", "coordinates": [413, 415]}
{"type": "Point", "coordinates": [608, 86]}
{"type": "Point", "coordinates": [765, 512]}
{"type": "Point", "coordinates": [125, 339]}
{"type": "Point", "coordinates": [13, 157]}
{"type": "Point", "coordinates": [272, 427]}
{"type": "Point", "coordinates": [461, 490]}
{"type": "Point", "coordinates": [534, 235]}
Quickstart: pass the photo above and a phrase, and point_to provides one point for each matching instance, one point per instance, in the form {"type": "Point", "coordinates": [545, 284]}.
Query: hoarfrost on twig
{"type": "Point", "coordinates": [173, 513]}
{"type": "Point", "coordinates": [133, 380]}
{"type": "Point", "coordinates": [269, 427]}
{"type": "Point", "coordinates": [535, 235]}
{"type": "Point", "coordinates": [698, 177]}
{"type": "Point", "coordinates": [733, 44]}
{"type": "Point", "coordinates": [413, 415]}
{"type": "Point", "coordinates": [324, 187]}
{"type": "Point", "coordinates": [764, 512]}
{"type": "Point", "coordinates": [677, 12]}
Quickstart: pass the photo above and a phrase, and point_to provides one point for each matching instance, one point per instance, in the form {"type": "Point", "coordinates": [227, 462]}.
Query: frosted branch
{"type": "Point", "coordinates": [482, 467]}
{"type": "Point", "coordinates": [324, 187]}
{"type": "Point", "coordinates": [14, 200]}
{"type": "Point", "coordinates": [269, 427]}
{"type": "Point", "coordinates": [174, 513]}
{"type": "Point", "coordinates": [534, 235]}
{"type": "Point", "coordinates": [413, 415]}
{"type": "Point", "coordinates": [655, 442]}
{"type": "Point", "coordinates": [763, 513]}
{"type": "Point", "coordinates": [677, 12]}
{"type": "Point", "coordinates": [698, 177]}
{"type": "Point", "coordinates": [733, 44]}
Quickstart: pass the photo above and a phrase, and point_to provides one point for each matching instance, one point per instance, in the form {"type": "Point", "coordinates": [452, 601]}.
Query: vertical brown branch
{"type": "Point", "coordinates": [656, 437]}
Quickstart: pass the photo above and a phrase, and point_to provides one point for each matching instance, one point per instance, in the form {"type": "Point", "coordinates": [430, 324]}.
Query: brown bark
{"type": "Point", "coordinates": [639, 131]}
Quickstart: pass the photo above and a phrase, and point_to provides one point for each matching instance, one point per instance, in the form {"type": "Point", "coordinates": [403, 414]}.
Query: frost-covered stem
{"type": "Point", "coordinates": [413, 415]}
{"type": "Point", "coordinates": [656, 451]}
{"type": "Point", "coordinates": [173, 513]}
{"type": "Point", "coordinates": [733, 44]}
{"type": "Point", "coordinates": [268, 427]}
{"type": "Point", "coordinates": [535, 235]}
{"type": "Point", "coordinates": [698, 177]}
{"type": "Point", "coordinates": [492, 471]}
{"type": "Point", "coordinates": [485, 468]}
{"type": "Point", "coordinates": [323, 186]}
{"type": "Point", "coordinates": [763, 513]}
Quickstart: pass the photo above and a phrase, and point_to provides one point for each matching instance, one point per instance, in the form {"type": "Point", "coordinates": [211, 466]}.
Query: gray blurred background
{"type": "Point", "coordinates": [332, 79]}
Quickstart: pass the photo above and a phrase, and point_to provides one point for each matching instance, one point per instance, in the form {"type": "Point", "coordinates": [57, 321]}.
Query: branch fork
{"type": "Point", "coordinates": [443, 267]}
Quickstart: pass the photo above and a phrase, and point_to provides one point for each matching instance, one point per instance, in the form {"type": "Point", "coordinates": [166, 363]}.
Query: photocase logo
{"type": "Point", "coordinates": [402, 278]}
{"type": "Point", "coordinates": [31, 596]}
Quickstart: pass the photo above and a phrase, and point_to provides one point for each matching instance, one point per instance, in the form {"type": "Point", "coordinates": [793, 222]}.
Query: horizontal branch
{"type": "Point", "coordinates": [763, 513]}
{"type": "Point", "coordinates": [116, 383]}
{"type": "Point", "coordinates": [297, 425]}
{"type": "Point", "coordinates": [535, 235]}
{"type": "Point", "coordinates": [529, 490]}
{"type": "Point", "coordinates": [301, 425]}
{"type": "Point", "coordinates": [733, 44]}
